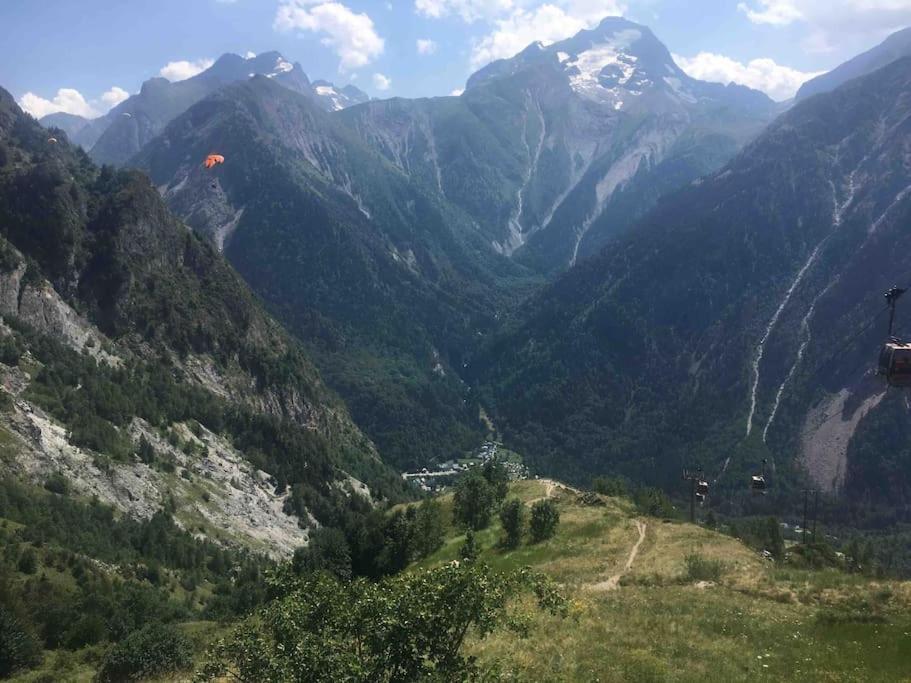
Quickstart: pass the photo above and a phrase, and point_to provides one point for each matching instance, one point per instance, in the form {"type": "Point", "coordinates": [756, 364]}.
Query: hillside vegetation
{"type": "Point", "coordinates": [667, 618]}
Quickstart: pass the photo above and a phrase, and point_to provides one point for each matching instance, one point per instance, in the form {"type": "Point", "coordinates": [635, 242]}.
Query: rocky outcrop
{"type": "Point", "coordinates": [39, 306]}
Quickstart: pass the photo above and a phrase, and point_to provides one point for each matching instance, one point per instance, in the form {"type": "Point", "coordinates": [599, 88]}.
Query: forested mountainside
{"type": "Point", "coordinates": [140, 369]}
{"type": "Point", "coordinates": [389, 285]}
{"type": "Point", "coordinates": [559, 149]}
{"type": "Point", "coordinates": [115, 137]}
{"type": "Point", "coordinates": [734, 323]}
{"type": "Point", "coordinates": [894, 47]}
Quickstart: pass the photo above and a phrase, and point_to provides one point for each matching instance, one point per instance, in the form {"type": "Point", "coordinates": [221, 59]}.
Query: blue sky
{"type": "Point", "coordinates": [85, 55]}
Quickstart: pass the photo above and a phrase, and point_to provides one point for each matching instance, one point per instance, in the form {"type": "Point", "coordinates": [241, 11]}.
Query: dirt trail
{"type": "Point", "coordinates": [613, 583]}
{"type": "Point", "coordinates": [549, 487]}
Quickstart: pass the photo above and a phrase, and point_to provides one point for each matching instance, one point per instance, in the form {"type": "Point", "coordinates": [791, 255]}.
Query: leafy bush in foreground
{"type": "Point", "coordinates": [404, 628]}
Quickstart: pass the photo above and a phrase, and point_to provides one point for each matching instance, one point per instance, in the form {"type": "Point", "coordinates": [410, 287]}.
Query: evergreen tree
{"type": "Point", "coordinates": [496, 475]}
{"type": "Point", "coordinates": [429, 528]}
{"type": "Point", "coordinates": [512, 516]}
{"type": "Point", "coordinates": [473, 502]}
{"type": "Point", "coordinates": [469, 551]}
{"type": "Point", "coordinates": [544, 520]}
{"type": "Point", "coordinates": [774, 538]}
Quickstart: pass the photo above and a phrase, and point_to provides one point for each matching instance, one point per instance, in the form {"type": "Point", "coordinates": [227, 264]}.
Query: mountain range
{"type": "Point", "coordinates": [389, 235]}
{"type": "Point", "coordinates": [558, 149]}
{"type": "Point", "coordinates": [624, 267]}
{"type": "Point", "coordinates": [123, 131]}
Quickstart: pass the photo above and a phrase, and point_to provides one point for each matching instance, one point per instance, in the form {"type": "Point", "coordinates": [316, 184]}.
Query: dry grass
{"type": "Point", "coordinates": [760, 622]}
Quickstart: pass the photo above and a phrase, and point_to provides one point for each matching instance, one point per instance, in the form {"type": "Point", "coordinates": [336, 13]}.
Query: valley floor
{"type": "Point", "coordinates": [759, 621]}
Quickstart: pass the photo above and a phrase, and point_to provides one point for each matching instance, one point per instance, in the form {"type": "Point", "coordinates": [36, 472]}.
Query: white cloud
{"type": "Point", "coordinates": [66, 100]}
{"type": "Point", "coordinates": [774, 12]}
{"type": "Point", "coordinates": [182, 70]}
{"type": "Point", "coordinates": [114, 96]}
{"type": "Point", "coordinates": [458, 92]}
{"type": "Point", "coordinates": [249, 54]}
{"type": "Point", "coordinates": [468, 10]}
{"type": "Point", "coordinates": [547, 23]}
{"type": "Point", "coordinates": [381, 82]}
{"type": "Point", "coordinates": [777, 81]}
{"type": "Point", "coordinates": [426, 46]}
{"type": "Point", "coordinates": [71, 101]}
{"type": "Point", "coordinates": [351, 36]}
{"type": "Point", "coordinates": [832, 22]}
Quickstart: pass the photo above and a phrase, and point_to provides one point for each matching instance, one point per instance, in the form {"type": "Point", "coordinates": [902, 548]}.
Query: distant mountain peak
{"type": "Point", "coordinates": [615, 64]}
{"type": "Point", "coordinates": [339, 98]}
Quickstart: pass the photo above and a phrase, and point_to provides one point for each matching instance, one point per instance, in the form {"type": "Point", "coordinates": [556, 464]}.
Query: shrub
{"type": "Point", "coordinates": [19, 649]}
{"type": "Point", "coordinates": [654, 502]}
{"type": "Point", "coordinates": [28, 562]}
{"type": "Point", "coordinates": [699, 568]}
{"type": "Point", "coordinates": [328, 551]}
{"type": "Point", "coordinates": [410, 627]}
{"type": "Point", "coordinates": [544, 520]}
{"type": "Point", "coordinates": [609, 486]}
{"type": "Point", "coordinates": [512, 516]}
{"type": "Point", "coordinates": [152, 651]}
{"type": "Point", "coordinates": [9, 350]}
{"type": "Point", "coordinates": [57, 483]}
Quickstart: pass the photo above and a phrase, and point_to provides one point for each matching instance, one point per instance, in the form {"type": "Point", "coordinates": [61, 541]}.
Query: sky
{"type": "Point", "coordinates": [86, 56]}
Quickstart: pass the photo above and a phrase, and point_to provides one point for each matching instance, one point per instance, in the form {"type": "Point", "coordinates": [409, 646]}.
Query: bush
{"type": "Point", "coordinates": [699, 568]}
{"type": "Point", "coordinates": [410, 627]}
{"type": "Point", "coordinates": [512, 516]}
{"type": "Point", "coordinates": [609, 486]}
{"type": "Point", "coordinates": [57, 483]}
{"type": "Point", "coordinates": [327, 551]}
{"type": "Point", "coordinates": [19, 649]}
{"type": "Point", "coordinates": [28, 562]}
{"type": "Point", "coordinates": [152, 651]}
{"type": "Point", "coordinates": [544, 520]}
{"type": "Point", "coordinates": [9, 351]}
{"type": "Point", "coordinates": [654, 502]}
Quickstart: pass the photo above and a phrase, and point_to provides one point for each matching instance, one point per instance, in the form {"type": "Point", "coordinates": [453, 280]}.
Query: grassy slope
{"type": "Point", "coordinates": [761, 621]}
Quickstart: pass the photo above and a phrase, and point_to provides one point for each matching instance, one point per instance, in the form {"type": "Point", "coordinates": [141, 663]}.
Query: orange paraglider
{"type": "Point", "coordinates": [213, 160]}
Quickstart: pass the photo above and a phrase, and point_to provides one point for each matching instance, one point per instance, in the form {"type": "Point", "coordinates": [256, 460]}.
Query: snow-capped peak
{"type": "Point", "coordinates": [605, 68]}
{"type": "Point", "coordinates": [331, 93]}
{"type": "Point", "coordinates": [281, 67]}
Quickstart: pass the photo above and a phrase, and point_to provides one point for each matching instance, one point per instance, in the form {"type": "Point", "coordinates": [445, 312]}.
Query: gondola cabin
{"type": "Point", "coordinates": [895, 363]}
{"type": "Point", "coordinates": [702, 488]}
{"type": "Point", "coordinates": [757, 483]}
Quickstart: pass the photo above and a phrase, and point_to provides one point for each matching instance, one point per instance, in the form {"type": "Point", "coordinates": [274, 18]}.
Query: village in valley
{"type": "Point", "coordinates": [446, 473]}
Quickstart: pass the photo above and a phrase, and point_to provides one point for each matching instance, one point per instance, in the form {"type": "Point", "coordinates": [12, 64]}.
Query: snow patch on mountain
{"type": "Point", "coordinates": [589, 71]}
{"type": "Point", "coordinates": [332, 94]}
